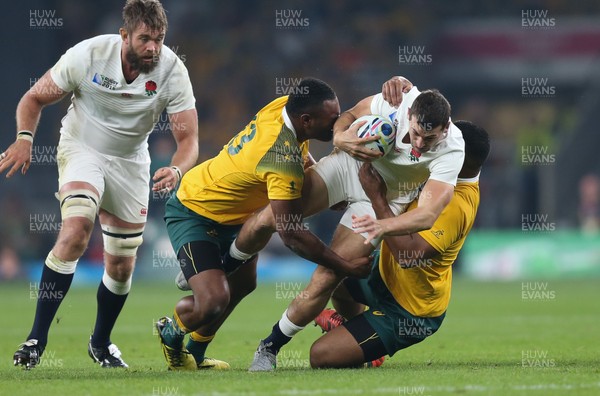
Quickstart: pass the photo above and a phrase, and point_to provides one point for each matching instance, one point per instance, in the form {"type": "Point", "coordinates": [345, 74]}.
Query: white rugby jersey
{"type": "Point", "coordinates": [106, 113]}
{"type": "Point", "coordinates": [405, 170]}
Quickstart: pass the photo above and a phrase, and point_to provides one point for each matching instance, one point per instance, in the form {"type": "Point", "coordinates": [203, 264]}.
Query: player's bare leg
{"type": "Point", "coordinates": [208, 281]}
{"type": "Point", "coordinates": [324, 281]}
{"type": "Point", "coordinates": [78, 213]}
{"type": "Point", "coordinates": [347, 351]}
{"type": "Point", "coordinates": [242, 282]}
{"type": "Point", "coordinates": [307, 305]}
{"type": "Point", "coordinates": [344, 304]}
{"type": "Point", "coordinates": [121, 240]}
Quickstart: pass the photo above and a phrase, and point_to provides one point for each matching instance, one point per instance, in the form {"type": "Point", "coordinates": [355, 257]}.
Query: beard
{"type": "Point", "coordinates": [137, 62]}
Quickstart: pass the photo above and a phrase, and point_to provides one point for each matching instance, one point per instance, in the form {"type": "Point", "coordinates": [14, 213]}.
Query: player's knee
{"type": "Point", "coordinates": [120, 268]}
{"type": "Point", "coordinates": [210, 306]}
{"type": "Point", "coordinates": [318, 355]}
{"type": "Point", "coordinates": [122, 242]}
{"type": "Point", "coordinates": [74, 236]}
{"type": "Point", "coordinates": [265, 221]}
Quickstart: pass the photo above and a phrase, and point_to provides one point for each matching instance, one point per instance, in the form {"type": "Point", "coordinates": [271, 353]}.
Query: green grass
{"type": "Point", "coordinates": [478, 350]}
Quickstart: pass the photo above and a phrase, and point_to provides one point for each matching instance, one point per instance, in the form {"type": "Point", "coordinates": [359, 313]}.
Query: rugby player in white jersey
{"type": "Point", "coordinates": [428, 155]}
{"type": "Point", "coordinates": [119, 85]}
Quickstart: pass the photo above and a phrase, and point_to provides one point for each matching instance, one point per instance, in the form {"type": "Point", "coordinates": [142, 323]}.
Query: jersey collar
{"type": "Point", "coordinates": [287, 121]}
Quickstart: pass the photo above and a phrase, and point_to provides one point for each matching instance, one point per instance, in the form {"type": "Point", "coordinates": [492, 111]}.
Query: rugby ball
{"type": "Point", "coordinates": [377, 125]}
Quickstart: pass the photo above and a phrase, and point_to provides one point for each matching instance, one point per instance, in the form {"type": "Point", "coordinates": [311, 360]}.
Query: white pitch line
{"type": "Point", "coordinates": [412, 390]}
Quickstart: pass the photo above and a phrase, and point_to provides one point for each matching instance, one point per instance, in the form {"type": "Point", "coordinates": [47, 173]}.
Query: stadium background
{"type": "Point", "coordinates": [528, 72]}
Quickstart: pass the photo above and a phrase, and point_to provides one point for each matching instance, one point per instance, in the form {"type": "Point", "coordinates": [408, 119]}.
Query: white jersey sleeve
{"type": "Point", "coordinates": [71, 68]}
{"type": "Point", "coordinates": [398, 115]}
{"type": "Point", "coordinates": [181, 96]}
{"type": "Point", "coordinates": [380, 107]}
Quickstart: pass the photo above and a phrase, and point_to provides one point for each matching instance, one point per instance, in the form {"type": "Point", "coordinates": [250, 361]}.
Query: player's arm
{"type": "Point", "coordinates": [434, 197]}
{"type": "Point", "coordinates": [376, 190]}
{"type": "Point", "coordinates": [345, 136]}
{"type": "Point", "coordinates": [184, 126]}
{"type": "Point", "coordinates": [44, 92]}
{"type": "Point", "coordinates": [296, 236]}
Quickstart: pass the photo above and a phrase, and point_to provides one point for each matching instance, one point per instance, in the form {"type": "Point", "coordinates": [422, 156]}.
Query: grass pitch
{"type": "Point", "coordinates": [497, 339]}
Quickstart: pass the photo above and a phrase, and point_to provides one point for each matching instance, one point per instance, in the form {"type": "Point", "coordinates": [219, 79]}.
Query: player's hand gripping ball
{"type": "Point", "coordinates": [381, 126]}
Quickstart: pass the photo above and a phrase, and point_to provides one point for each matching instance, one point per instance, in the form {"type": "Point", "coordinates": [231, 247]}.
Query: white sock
{"type": "Point", "coordinates": [237, 253]}
{"type": "Point", "coordinates": [116, 287]}
{"type": "Point", "coordinates": [287, 327]}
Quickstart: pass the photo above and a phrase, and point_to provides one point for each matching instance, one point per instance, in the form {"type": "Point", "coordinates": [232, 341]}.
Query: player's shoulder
{"type": "Point", "coordinates": [271, 115]}
{"type": "Point", "coordinates": [100, 46]}
{"type": "Point", "coordinates": [409, 97]}
{"type": "Point", "coordinates": [466, 197]}
{"type": "Point", "coordinates": [101, 41]}
{"type": "Point", "coordinates": [455, 138]}
{"type": "Point", "coordinates": [170, 57]}
{"type": "Point", "coordinates": [274, 107]}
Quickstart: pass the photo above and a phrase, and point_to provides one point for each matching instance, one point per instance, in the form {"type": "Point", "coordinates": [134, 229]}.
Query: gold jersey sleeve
{"type": "Point", "coordinates": [261, 163]}
{"type": "Point", "coordinates": [424, 289]}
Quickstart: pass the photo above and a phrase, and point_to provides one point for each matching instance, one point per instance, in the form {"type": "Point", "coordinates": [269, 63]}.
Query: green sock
{"type": "Point", "coordinates": [173, 335]}
{"type": "Point", "coordinates": [197, 345]}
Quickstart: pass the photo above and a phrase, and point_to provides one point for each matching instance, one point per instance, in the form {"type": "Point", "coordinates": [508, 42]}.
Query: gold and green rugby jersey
{"type": "Point", "coordinates": [261, 163]}
{"type": "Point", "coordinates": [423, 289]}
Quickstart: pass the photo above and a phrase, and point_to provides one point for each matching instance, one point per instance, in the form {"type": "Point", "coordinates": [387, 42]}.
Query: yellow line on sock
{"type": "Point", "coordinates": [180, 323]}
{"type": "Point", "coordinates": [200, 338]}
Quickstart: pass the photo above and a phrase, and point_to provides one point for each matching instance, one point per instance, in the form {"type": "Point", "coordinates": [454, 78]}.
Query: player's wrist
{"type": "Point", "coordinates": [25, 134]}
{"type": "Point", "coordinates": [177, 171]}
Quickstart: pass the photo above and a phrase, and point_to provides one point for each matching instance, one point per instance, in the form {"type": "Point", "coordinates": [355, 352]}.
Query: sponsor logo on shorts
{"type": "Point", "coordinates": [212, 233]}
{"type": "Point", "coordinates": [144, 211]}
{"type": "Point", "coordinates": [378, 313]}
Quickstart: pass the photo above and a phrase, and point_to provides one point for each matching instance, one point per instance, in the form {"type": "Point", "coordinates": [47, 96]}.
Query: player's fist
{"type": "Point", "coordinates": [394, 88]}
{"type": "Point", "coordinates": [349, 142]}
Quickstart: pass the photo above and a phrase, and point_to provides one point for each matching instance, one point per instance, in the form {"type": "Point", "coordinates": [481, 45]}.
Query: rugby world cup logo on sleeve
{"type": "Point", "coordinates": [150, 88]}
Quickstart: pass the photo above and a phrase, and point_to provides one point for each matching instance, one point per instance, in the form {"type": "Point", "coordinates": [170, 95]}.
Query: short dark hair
{"type": "Point", "coordinates": [144, 12]}
{"type": "Point", "coordinates": [431, 109]}
{"type": "Point", "coordinates": [308, 95]}
{"type": "Point", "coordinates": [477, 144]}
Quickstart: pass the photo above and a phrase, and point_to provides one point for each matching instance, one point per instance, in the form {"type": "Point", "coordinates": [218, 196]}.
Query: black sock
{"type": "Point", "coordinates": [231, 264]}
{"type": "Point", "coordinates": [276, 339]}
{"type": "Point", "coordinates": [52, 289]}
{"type": "Point", "coordinates": [109, 308]}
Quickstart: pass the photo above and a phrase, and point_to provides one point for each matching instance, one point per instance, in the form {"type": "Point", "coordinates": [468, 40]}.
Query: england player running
{"type": "Point", "coordinates": [120, 84]}
{"type": "Point", "coordinates": [262, 164]}
{"type": "Point", "coordinates": [408, 290]}
{"type": "Point", "coordinates": [429, 151]}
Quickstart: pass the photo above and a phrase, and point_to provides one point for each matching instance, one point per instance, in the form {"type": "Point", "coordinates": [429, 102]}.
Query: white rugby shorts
{"type": "Point", "coordinates": [122, 183]}
{"type": "Point", "coordinates": [339, 171]}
